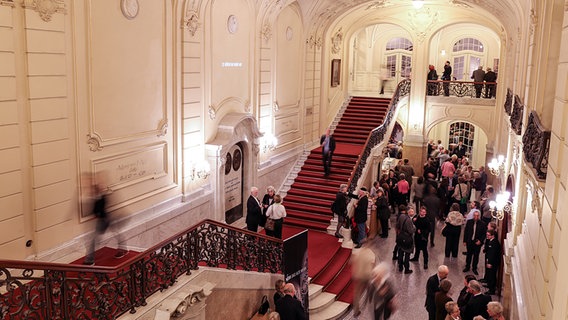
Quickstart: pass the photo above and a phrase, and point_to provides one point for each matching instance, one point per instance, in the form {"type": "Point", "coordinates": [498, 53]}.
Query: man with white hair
{"type": "Point", "coordinates": [288, 306]}
{"type": "Point", "coordinates": [254, 210]}
{"type": "Point", "coordinates": [477, 304]}
{"type": "Point", "coordinates": [433, 286]}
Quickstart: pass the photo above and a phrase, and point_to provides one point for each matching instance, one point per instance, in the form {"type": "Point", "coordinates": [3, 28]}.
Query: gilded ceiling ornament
{"type": "Point", "coordinates": [337, 41]}
{"type": "Point", "coordinates": [45, 8]}
{"type": "Point", "coordinates": [422, 21]}
{"type": "Point", "coordinates": [266, 33]}
{"type": "Point", "coordinates": [191, 22]}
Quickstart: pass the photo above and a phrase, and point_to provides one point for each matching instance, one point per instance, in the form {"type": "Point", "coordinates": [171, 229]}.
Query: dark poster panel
{"type": "Point", "coordinates": [296, 266]}
{"type": "Point", "coordinates": [234, 184]}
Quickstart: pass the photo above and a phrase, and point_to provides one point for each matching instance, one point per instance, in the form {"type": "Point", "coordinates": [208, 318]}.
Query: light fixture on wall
{"type": "Point", "coordinates": [201, 170]}
{"type": "Point", "coordinates": [501, 205]}
{"type": "Point", "coordinates": [496, 166]}
{"type": "Point", "coordinates": [418, 4]}
{"type": "Point", "coordinates": [268, 142]}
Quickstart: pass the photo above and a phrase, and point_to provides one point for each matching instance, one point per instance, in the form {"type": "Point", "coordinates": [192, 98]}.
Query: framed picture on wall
{"type": "Point", "coordinates": [335, 72]}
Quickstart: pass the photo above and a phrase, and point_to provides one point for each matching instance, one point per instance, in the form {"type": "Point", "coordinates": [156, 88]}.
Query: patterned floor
{"type": "Point", "coordinates": [412, 287]}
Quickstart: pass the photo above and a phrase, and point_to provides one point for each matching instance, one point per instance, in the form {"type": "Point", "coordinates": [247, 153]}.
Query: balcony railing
{"type": "Point", "coordinates": [40, 290]}
{"type": "Point", "coordinates": [378, 134]}
{"type": "Point", "coordinates": [460, 89]}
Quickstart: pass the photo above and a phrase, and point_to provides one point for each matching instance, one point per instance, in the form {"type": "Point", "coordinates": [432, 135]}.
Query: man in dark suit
{"type": "Point", "coordinates": [327, 142]}
{"type": "Point", "coordinates": [477, 304]}
{"type": "Point", "coordinates": [288, 307]}
{"type": "Point", "coordinates": [473, 238]}
{"type": "Point", "coordinates": [361, 216]}
{"type": "Point", "coordinates": [433, 286]}
{"type": "Point", "coordinates": [254, 210]}
{"type": "Point", "coordinates": [492, 260]}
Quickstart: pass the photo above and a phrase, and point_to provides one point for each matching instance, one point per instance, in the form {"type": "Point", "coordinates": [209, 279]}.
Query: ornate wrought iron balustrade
{"type": "Point", "coordinates": [377, 135]}
{"type": "Point", "coordinates": [458, 88]}
{"type": "Point", "coordinates": [39, 290]}
{"type": "Point", "coordinates": [536, 144]}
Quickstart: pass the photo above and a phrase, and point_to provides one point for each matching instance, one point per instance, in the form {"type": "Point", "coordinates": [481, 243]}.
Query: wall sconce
{"type": "Point", "coordinates": [501, 205]}
{"type": "Point", "coordinates": [201, 170]}
{"type": "Point", "coordinates": [443, 52]}
{"type": "Point", "coordinates": [268, 142]}
{"type": "Point", "coordinates": [418, 4]}
{"type": "Point", "coordinates": [496, 166]}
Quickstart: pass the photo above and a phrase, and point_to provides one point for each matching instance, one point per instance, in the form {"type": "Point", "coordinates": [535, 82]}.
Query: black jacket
{"type": "Point", "coordinates": [476, 306]}
{"type": "Point", "coordinates": [254, 212]}
{"type": "Point", "coordinates": [331, 143]}
{"type": "Point", "coordinates": [493, 252]}
{"type": "Point", "coordinates": [480, 231]}
{"type": "Point", "coordinates": [361, 210]}
{"type": "Point", "coordinates": [290, 308]}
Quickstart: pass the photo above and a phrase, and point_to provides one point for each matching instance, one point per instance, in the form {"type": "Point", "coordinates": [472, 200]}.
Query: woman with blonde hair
{"type": "Point", "coordinates": [452, 230]}
{"type": "Point", "coordinates": [453, 311]}
{"type": "Point", "coordinates": [276, 212]}
{"type": "Point", "coordinates": [495, 310]}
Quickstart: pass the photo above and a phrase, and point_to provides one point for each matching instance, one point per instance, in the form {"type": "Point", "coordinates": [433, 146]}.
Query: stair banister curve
{"type": "Point", "coordinates": [377, 135]}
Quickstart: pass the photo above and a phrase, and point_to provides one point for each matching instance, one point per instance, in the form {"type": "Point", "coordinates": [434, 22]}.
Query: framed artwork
{"type": "Point", "coordinates": [335, 72]}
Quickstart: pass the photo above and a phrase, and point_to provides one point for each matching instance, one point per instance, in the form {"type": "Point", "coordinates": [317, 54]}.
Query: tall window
{"type": "Point", "coordinates": [462, 131]}
{"type": "Point", "coordinates": [468, 54]}
{"type": "Point", "coordinates": [398, 52]}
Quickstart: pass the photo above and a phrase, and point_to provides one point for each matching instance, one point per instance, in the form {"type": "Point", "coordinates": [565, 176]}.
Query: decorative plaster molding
{"type": "Point", "coordinates": [461, 4]}
{"type": "Point", "coordinates": [9, 3]}
{"type": "Point", "coordinates": [94, 142]}
{"type": "Point", "coordinates": [533, 21]}
{"type": "Point", "coordinates": [129, 8]}
{"type": "Point", "coordinates": [266, 33]}
{"type": "Point", "coordinates": [163, 127]}
{"type": "Point", "coordinates": [212, 112]}
{"type": "Point", "coordinates": [337, 41]}
{"type": "Point", "coordinates": [180, 304]}
{"type": "Point", "coordinates": [422, 21]}
{"type": "Point", "coordinates": [379, 4]}
{"type": "Point", "coordinates": [247, 106]}
{"type": "Point", "coordinates": [191, 22]}
{"type": "Point", "coordinates": [314, 41]}
{"type": "Point", "coordinates": [275, 106]}
{"type": "Point", "coordinates": [45, 8]}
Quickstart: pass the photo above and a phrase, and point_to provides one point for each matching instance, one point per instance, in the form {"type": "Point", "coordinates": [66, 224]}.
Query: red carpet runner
{"type": "Point", "coordinates": [309, 198]}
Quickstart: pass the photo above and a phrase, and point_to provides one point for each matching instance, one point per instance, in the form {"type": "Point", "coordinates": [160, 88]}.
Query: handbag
{"type": "Point", "coordinates": [264, 305]}
{"type": "Point", "coordinates": [445, 230]}
{"type": "Point", "coordinates": [463, 200]}
{"type": "Point", "coordinates": [404, 240]}
{"type": "Point", "coordinates": [269, 225]}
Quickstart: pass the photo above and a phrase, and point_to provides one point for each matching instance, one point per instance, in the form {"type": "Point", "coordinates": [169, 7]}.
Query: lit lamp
{"type": "Point", "coordinates": [418, 4]}
{"type": "Point", "coordinates": [497, 165]}
{"type": "Point", "coordinates": [501, 205]}
{"type": "Point", "coordinates": [268, 142]}
{"type": "Point", "coordinates": [200, 170]}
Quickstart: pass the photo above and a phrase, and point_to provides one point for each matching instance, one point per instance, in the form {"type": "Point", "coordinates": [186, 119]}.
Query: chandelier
{"type": "Point", "coordinates": [501, 205]}
{"type": "Point", "coordinates": [268, 142]}
{"type": "Point", "coordinates": [496, 166]}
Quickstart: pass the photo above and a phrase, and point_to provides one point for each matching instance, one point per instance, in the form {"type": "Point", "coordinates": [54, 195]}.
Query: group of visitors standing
{"type": "Point", "coordinates": [268, 213]}
{"type": "Point", "coordinates": [480, 78]}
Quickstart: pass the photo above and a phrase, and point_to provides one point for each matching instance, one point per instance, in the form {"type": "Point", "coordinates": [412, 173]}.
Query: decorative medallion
{"type": "Point", "coordinates": [228, 162]}
{"type": "Point", "coordinates": [232, 24]}
{"type": "Point", "coordinates": [129, 8]}
{"type": "Point", "coordinates": [422, 21]}
{"type": "Point", "coordinates": [237, 158]}
{"type": "Point", "coordinates": [94, 142]}
{"type": "Point", "coordinates": [191, 22]}
{"type": "Point", "coordinates": [46, 8]}
{"type": "Point", "coordinates": [266, 33]}
{"type": "Point", "coordinates": [337, 41]}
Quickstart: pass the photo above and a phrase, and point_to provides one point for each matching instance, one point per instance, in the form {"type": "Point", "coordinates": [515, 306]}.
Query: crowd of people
{"type": "Point", "coordinates": [480, 78]}
{"type": "Point", "coordinates": [268, 213]}
{"type": "Point", "coordinates": [450, 193]}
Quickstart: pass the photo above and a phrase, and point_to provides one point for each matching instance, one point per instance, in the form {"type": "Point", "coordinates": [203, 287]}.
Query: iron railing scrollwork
{"type": "Point", "coordinates": [509, 101]}
{"type": "Point", "coordinates": [516, 118]}
{"type": "Point", "coordinates": [536, 144]}
{"type": "Point", "coordinates": [41, 290]}
{"type": "Point", "coordinates": [377, 135]}
{"type": "Point", "coordinates": [458, 89]}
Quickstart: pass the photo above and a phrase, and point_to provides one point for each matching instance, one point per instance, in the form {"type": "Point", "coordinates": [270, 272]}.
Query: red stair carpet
{"type": "Point", "coordinates": [104, 257]}
{"type": "Point", "coordinates": [310, 196]}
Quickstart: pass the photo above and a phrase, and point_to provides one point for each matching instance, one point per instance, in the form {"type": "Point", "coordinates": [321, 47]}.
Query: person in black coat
{"type": "Point", "coordinates": [361, 216]}
{"type": "Point", "coordinates": [383, 212]}
{"type": "Point", "coordinates": [490, 78]}
{"type": "Point", "coordinates": [423, 229]}
{"type": "Point", "coordinates": [327, 142]}
{"type": "Point", "coordinates": [492, 260]}
{"type": "Point", "coordinates": [433, 286]}
{"type": "Point", "coordinates": [267, 201]}
{"type": "Point", "coordinates": [477, 304]}
{"type": "Point", "coordinates": [447, 76]}
{"type": "Point", "coordinates": [465, 295]}
{"type": "Point", "coordinates": [473, 238]}
{"type": "Point", "coordinates": [288, 307]}
{"type": "Point", "coordinates": [340, 208]}
{"type": "Point", "coordinates": [254, 210]}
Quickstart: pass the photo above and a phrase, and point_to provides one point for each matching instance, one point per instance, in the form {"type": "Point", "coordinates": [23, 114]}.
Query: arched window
{"type": "Point", "coordinates": [398, 53]}
{"type": "Point", "coordinates": [468, 54]}
{"type": "Point", "coordinates": [462, 131]}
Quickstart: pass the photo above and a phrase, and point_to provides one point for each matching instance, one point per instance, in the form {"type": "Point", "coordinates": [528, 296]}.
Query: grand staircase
{"type": "Point", "coordinates": [309, 199]}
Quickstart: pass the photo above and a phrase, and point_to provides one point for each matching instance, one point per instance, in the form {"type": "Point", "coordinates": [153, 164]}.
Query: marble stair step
{"type": "Point", "coordinates": [314, 290]}
{"type": "Point", "coordinates": [336, 310]}
{"type": "Point", "coordinates": [321, 302]}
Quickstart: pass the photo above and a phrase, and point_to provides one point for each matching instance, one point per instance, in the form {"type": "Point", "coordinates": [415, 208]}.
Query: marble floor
{"type": "Point", "coordinates": [412, 287]}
